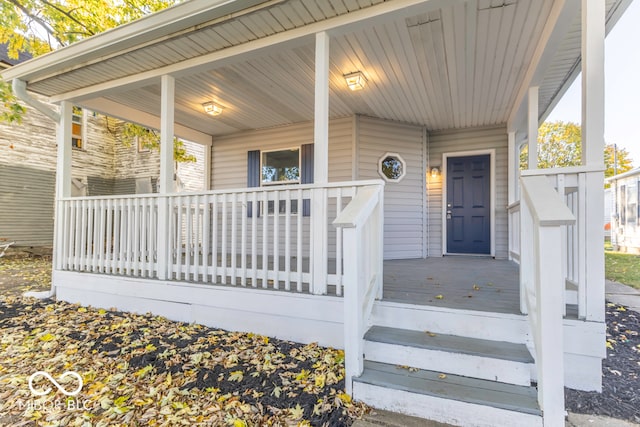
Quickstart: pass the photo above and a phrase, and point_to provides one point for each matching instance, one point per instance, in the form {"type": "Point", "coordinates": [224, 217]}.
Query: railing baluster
{"type": "Point", "coordinates": [254, 239]}
{"type": "Point", "coordinates": [179, 240]}
{"type": "Point", "coordinates": [265, 239]}
{"type": "Point", "coordinates": [234, 238]}
{"type": "Point", "coordinates": [339, 245]}
{"type": "Point", "coordinates": [287, 240]}
{"type": "Point", "coordinates": [243, 241]}
{"type": "Point", "coordinates": [83, 239]}
{"type": "Point", "coordinates": [276, 240]}
{"type": "Point", "coordinates": [188, 236]}
{"type": "Point", "coordinates": [299, 231]}
{"type": "Point", "coordinates": [135, 252]}
{"type": "Point", "coordinates": [214, 245]}
{"type": "Point", "coordinates": [206, 233]}
{"type": "Point", "coordinates": [197, 242]}
{"type": "Point", "coordinates": [224, 236]}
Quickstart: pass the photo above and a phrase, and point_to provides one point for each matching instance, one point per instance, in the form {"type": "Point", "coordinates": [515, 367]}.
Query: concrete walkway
{"type": "Point", "coordinates": [622, 294]}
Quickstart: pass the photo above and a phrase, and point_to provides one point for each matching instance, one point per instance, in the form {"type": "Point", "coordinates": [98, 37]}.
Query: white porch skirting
{"type": "Point", "coordinates": [285, 315]}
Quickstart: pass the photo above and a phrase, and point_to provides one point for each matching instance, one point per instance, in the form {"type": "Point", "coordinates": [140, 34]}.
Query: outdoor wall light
{"type": "Point", "coordinates": [355, 81]}
{"type": "Point", "coordinates": [435, 172]}
{"type": "Point", "coordinates": [212, 108]}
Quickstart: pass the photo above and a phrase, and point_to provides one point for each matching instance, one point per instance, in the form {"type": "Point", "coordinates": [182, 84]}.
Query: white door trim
{"type": "Point", "coordinates": [492, 175]}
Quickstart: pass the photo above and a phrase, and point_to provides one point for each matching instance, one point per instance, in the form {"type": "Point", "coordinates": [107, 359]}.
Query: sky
{"type": "Point", "coordinates": [622, 86]}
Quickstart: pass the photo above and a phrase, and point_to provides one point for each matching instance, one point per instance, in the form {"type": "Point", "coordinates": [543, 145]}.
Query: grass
{"type": "Point", "coordinates": [622, 267]}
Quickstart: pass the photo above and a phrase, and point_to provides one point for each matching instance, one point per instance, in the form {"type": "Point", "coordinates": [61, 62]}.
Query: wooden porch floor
{"type": "Point", "coordinates": [468, 283]}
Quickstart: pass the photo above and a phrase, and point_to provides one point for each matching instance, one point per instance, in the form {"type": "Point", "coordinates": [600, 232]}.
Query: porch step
{"type": "Point", "coordinates": [471, 357]}
{"type": "Point", "coordinates": [447, 398]}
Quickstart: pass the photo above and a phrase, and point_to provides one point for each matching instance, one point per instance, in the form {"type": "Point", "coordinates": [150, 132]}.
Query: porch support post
{"type": "Point", "coordinates": [593, 33]}
{"type": "Point", "coordinates": [532, 127]}
{"type": "Point", "coordinates": [207, 168]}
{"type": "Point", "coordinates": [167, 110]}
{"type": "Point", "coordinates": [512, 178]}
{"type": "Point", "coordinates": [63, 179]}
{"type": "Point", "coordinates": [320, 166]}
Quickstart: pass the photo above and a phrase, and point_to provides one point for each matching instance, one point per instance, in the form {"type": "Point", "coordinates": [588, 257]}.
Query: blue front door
{"type": "Point", "coordinates": [469, 205]}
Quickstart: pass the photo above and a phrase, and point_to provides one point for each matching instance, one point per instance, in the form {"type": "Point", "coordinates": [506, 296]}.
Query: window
{"type": "Point", "coordinates": [392, 167]}
{"type": "Point", "coordinates": [77, 127]}
{"type": "Point", "coordinates": [280, 167]}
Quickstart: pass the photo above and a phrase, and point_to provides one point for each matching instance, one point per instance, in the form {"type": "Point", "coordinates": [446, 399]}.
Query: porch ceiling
{"type": "Point", "coordinates": [455, 66]}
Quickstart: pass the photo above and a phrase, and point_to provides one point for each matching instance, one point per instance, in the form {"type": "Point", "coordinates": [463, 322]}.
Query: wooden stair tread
{"type": "Point", "coordinates": [510, 397]}
{"type": "Point", "coordinates": [450, 343]}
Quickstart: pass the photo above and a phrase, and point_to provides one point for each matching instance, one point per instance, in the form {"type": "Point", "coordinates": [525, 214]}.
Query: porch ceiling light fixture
{"type": "Point", "coordinates": [212, 108]}
{"type": "Point", "coordinates": [435, 172]}
{"type": "Point", "coordinates": [355, 81]}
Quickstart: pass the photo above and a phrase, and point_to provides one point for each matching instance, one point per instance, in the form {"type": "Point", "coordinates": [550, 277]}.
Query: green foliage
{"type": "Point", "coordinates": [130, 133]}
{"type": "Point", "coordinates": [40, 26]}
{"type": "Point", "coordinates": [560, 145]}
{"type": "Point", "coordinates": [12, 111]}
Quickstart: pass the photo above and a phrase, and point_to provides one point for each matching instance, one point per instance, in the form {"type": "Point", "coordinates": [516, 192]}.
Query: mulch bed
{"type": "Point", "coordinates": [146, 370]}
{"type": "Point", "coordinates": [620, 397]}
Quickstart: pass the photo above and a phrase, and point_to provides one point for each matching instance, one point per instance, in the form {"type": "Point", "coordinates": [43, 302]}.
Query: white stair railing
{"type": "Point", "coordinates": [544, 215]}
{"type": "Point", "coordinates": [362, 223]}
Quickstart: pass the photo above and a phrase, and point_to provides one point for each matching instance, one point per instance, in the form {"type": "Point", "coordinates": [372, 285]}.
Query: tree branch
{"type": "Point", "coordinates": [37, 19]}
{"type": "Point", "coordinates": [68, 15]}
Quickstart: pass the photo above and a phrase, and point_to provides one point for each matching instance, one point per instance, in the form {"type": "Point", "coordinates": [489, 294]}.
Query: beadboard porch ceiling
{"type": "Point", "coordinates": [441, 64]}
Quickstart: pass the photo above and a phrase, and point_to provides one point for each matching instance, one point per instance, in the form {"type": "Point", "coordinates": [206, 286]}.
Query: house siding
{"type": "Point", "coordinates": [229, 162]}
{"type": "Point", "coordinates": [404, 201]}
{"type": "Point", "coordinates": [460, 141]}
{"type": "Point", "coordinates": [103, 166]}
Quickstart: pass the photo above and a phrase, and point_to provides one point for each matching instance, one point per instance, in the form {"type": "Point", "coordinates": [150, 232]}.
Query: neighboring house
{"type": "Point", "coordinates": [608, 204]}
{"type": "Point", "coordinates": [100, 166]}
{"type": "Point", "coordinates": [349, 146]}
{"type": "Point", "coordinates": [625, 213]}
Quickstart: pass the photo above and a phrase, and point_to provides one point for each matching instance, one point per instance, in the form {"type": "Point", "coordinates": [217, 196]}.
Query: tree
{"type": "Point", "coordinates": [40, 26]}
{"type": "Point", "coordinates": [560, 145]}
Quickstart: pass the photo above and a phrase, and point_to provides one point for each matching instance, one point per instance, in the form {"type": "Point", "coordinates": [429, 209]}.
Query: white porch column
{"type": "Point", "coordinates": [63, 139]}
{"type": "Point", "coordinates": [512, 177]}
{"type": "Point", "coordinates": [320, 165]}
{"type": "Point", "coordinates": [593, 33]}
{"type": "Point", "coordinates": [63, 177]}
{"type": "Point", "coordinates": [207, 168]}
{"type": "Point", "coordinates": [167, 110]}
{"type": "Point", "coordinates": [532, 127]}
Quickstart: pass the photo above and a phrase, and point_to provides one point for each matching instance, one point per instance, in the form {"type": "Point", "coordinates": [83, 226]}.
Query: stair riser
{"type": "Point", "coordinates": [442, 410]}
{"type": "Point", "coordinates": [474, 324]}
{"type": "Point", "coordinates": [487, 368]}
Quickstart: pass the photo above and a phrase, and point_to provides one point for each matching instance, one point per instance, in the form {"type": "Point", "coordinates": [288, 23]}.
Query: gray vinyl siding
{"type": "Point", "coordinates": [404, 201]}
{"type": "Point", "coordinates": [28, 154]}
{"type": "Point", "coordinates": [26, 205]}
{"type": "Point", "coordinates": [460, 141]}
{"type": "Point", "coordinates": [229, 161]}
{"type": "Point", "coordinates": [229, 153]}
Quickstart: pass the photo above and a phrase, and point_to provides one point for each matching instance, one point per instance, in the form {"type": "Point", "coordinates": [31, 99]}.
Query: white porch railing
{"type": "Point", "coordinates": [544, 215]}
{"type": "Point", "coordinates": [571, 184]}
{"type": "Point", "coordinates": [113, 235]}
{"type": "Point", "coordinates": [256, 237]}
{"type": "Point", "coordinates": [362, 222]}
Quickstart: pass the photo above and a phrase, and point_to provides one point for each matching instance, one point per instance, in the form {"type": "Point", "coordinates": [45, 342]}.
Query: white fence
{"type": "Point", "coordinates": [544, 216]}
{"type": "Point", "coordinates": [362, 223]}
{"type": "Point", "coordinates": [265, 237]}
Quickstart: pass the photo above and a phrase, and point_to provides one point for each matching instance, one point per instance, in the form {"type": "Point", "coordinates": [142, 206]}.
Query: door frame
{"type": "Point", "coordinates": [492, 197]}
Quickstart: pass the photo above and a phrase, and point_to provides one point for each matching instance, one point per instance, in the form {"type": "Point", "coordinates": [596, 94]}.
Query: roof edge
{"type": "Point", "coordinates": [164, 23]}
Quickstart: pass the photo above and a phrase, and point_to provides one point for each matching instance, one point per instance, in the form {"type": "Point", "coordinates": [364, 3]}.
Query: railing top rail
{"type": "Point", "coordinates": [564, 170]}
{"type": "Point", "coordinates": [272, 188]}
{"type": "Point", "coordinates": [547, 207]}
{"type": "Point", "coordinates": [360, 208]}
